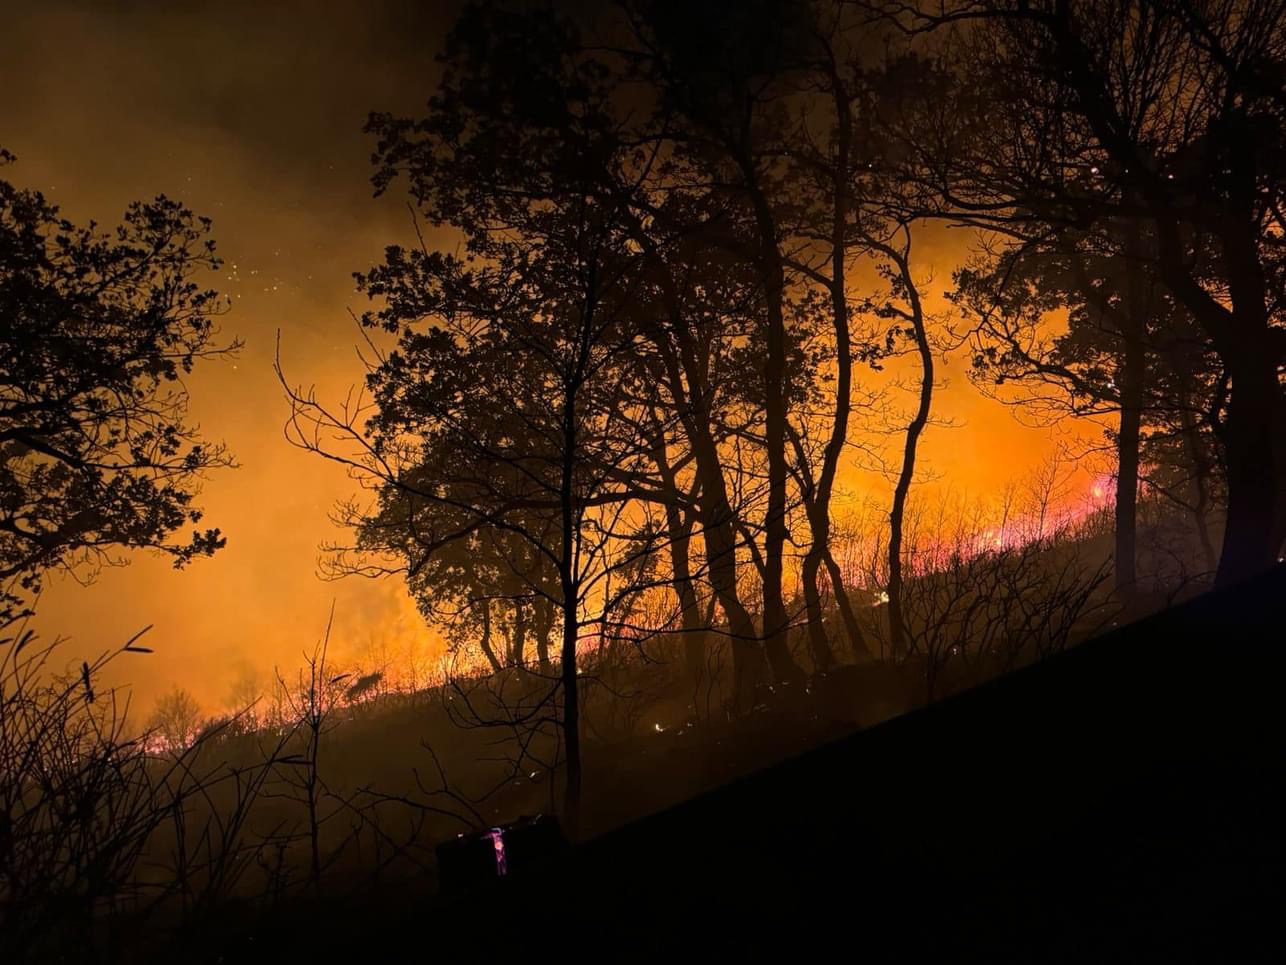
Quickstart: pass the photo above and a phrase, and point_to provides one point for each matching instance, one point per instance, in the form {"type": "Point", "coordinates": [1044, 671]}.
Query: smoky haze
{"type": "Point", "coordinates": [470, 469]}
{"type": "Point", "coordinates": [252, 115]}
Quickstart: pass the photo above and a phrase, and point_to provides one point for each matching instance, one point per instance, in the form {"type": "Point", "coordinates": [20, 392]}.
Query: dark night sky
{"type": "Point", "coordinates": [252, 113]}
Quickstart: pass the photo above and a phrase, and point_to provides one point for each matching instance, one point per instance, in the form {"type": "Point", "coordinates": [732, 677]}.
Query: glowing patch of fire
{"type": "Point", "coordinates": [498, 843]}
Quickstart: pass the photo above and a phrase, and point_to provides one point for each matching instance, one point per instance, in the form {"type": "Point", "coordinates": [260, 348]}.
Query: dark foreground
{"type": "Point", "coordinates": [1121, 802]}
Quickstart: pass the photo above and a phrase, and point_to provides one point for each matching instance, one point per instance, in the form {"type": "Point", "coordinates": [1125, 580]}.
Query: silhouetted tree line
{"type": "Point", "coordinates": [685, 230]}
{"type": "Point", "coordinates": [615, 387]}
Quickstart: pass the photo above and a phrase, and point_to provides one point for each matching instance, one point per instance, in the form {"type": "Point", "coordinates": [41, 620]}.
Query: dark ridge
{"type": "Point", "coordinates": [1120, 802]}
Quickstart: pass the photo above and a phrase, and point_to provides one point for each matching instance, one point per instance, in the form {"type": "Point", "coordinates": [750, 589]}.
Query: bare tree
{"type": "Point", "coordinates": [176, 720]}
{"type": "Point", "coordinates": [311, 701]}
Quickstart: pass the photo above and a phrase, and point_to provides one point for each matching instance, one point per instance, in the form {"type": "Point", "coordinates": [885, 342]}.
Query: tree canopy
{"type": "Point", "coordinates": [98, 330]}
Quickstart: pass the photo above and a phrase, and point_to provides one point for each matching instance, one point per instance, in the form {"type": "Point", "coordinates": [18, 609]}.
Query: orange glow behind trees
{"type": "Point", "coordinates": [269, 145]}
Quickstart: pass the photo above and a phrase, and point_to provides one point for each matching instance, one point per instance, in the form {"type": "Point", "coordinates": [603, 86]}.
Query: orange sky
{"type": "Point", "coordinates": [253, 116]}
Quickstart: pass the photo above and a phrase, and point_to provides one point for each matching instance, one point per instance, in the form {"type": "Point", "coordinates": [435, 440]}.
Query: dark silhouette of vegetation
{"type": "Point", "coordinates": [638, 384]}
{"type": "Point", "coordinates": [1154, 121]}
{"type": "Point", "coordinates": [665, 212]}
{"type": "Point", "coordinates": [97, 330]}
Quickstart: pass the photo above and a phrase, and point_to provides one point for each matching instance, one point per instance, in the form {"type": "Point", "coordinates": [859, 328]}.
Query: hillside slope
{"type": "Point", "coordinates": [1121, 801]}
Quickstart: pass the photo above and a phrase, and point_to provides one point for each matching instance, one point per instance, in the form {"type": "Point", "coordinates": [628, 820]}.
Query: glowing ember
{"type": "Point", "coordinates": [498, 843]}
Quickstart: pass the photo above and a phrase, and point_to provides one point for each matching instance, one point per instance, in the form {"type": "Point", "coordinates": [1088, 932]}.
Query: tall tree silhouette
{"type": "Point", "coordinates": [503, 401]}
{"type": "Point", "coordinates": [704, 297]}
{"type": "Point", "coordinates": [830, 153]}
{"type": "Point", "coordinates": [722, 75]}
{"type": "Point", "coordinates": [1104, 362]}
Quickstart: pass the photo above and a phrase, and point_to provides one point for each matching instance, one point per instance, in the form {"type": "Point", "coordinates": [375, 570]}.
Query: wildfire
{"type": "Point", "coordinates": [1101, 490]}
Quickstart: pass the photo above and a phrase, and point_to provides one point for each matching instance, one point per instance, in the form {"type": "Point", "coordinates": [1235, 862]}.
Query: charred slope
{"type": "Point", "coordinates": [1121, 801]}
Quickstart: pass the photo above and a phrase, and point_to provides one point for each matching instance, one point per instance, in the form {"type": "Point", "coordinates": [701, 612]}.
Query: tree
{"type": "Point", "coordinates": [1163, 115]}
{"type": "Point", "coordinates": [680, 521]}
{"type": "Point", "coordinates": [906, 306]}
{"type": "Point", "coordinates": [700, 312]}
{"type": "Point", "coordinates": [97, 331]}
{"type": "Point", "coordinates": [487, 588]}
{"type": "Point", "coordinates": [176, 720]}
{"type": "Point", "coordinates": [530, 113]}
{"type": "Point", "coordinates": [888, 207]}
{"type": "Point", "coordinates": [723, 75]}
{"type": "Point", "coordinates": [501, 412]}
{"type": "Point", "coordinates": [1106, 361]}
{"type": "Point", "coordinates": [1182, 456]}
{"type": "Point", "coordinates": [830, 160]}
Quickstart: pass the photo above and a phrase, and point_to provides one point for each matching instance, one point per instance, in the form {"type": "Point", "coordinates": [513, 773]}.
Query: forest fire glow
{"type": "Point", "coordinates": [454, 396]}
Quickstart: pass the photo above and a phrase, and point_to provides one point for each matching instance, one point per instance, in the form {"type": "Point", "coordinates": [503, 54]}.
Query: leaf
{"type": "Point", "coordinates": [131, 646]}
{"type": "Point", "coordinates": [23, 640]}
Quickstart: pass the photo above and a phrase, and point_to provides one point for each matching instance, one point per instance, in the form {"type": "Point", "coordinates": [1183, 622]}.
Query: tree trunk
{"type": "Point", "coordinates": [1252, 428]}
{"type": "Point", "coordinates": [1200, 483]}
{"type": "Point", "coordinates": [544, 624]}
{"type": "Point", "coordinates": [818, 644]}
{"type": "Point", "coordinates": [518, 646]}
{"type": "Point", "coordinates": [776, 619]}
{"type": "Point", "coordinates": [487, 649]}
{"type": "Point", "coordinates": [721, 562]}
{"type": "Point", "coordinates": [1252, 480]}
{"type": "Point", "coordinates": [716, 516]}
{"type": "Point", "coordinates": [679, 531]}
{"type": "Point", "coordinates": [857, 639]}
{"type": "Point", "coordinates": [570, 591]}
{"type": "Point", "coordinates": [1130, 377]}
{"type": "Point", "coordinates": [571, 717]}
{"type": "Point", "coordinates": [897, 620]}
{"type": "Point", "coordinates": [819, 512]}
{"type": "Point", "coordinates": [1278, 542]}
{"type": "Point", "coordinates": [1127, 486]}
